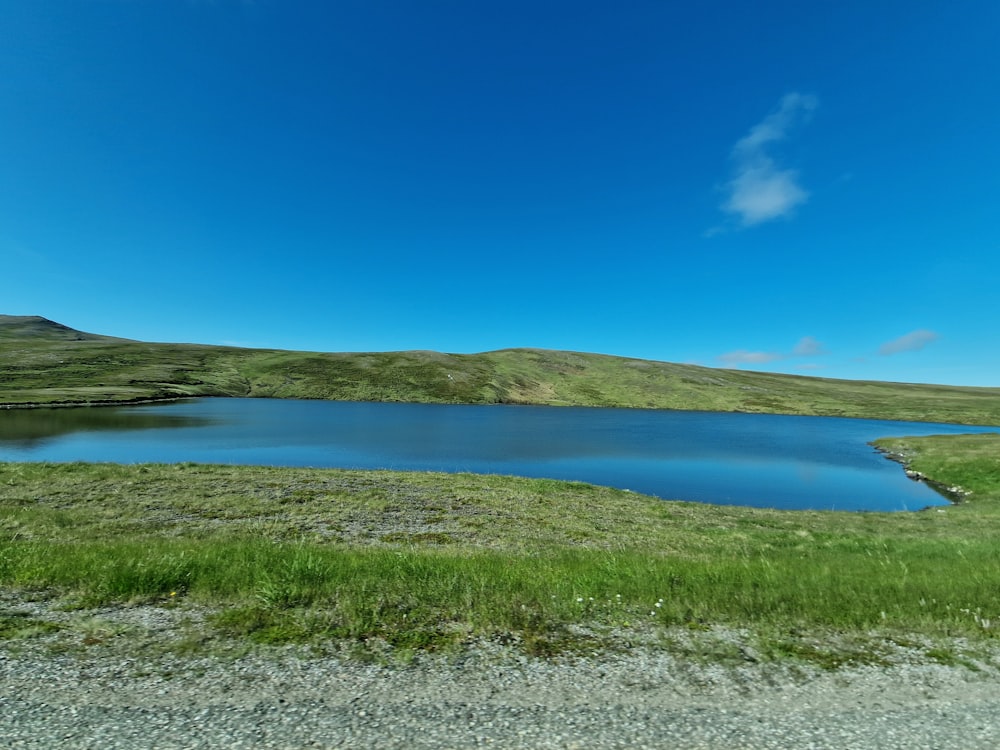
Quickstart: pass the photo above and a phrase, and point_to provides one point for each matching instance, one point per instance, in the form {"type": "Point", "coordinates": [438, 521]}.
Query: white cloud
{"type": "Point", "coordinates": [744, 357]}
{"type": "Point", "coordinates": [760, 189]}
{"type": "Point", "coordinates": [808, 347]}
{"type": "Point", "coordinates": [776, 125]}
{"type": "Point", "coordinates": [761, 193]}
{"type": "Point", "coordinates": [911, 342]}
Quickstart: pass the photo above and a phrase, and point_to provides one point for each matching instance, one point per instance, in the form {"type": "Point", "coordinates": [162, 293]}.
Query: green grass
{"type": "Point", "coordinates": [427, 561]}
{"type": "Point", "coordinates": [43, 363]}
{"type": "Point", "coordinates": [424, 561]}
{"type": "Point", "coordinates": [970, 462]}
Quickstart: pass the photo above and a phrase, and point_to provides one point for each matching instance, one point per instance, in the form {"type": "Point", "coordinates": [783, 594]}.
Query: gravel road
{"type": "Point", "coordinates": [123, 692]}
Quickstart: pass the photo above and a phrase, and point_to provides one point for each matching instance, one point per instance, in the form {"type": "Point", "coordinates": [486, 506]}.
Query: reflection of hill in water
{"type": "Point", "coordinates": [28, 428]}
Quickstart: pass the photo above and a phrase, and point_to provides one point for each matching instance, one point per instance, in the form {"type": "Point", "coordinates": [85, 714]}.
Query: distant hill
{"type": "Point", "coordinates": [47, 363]}
{"type": "Point", "coordinates": [42, 329]}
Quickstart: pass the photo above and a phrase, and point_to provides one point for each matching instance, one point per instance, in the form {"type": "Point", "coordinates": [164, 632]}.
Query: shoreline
{"type": "Point", "coordinates": [953, 493]}
{"type": "Point", "coordinates": [168, 399]}
{"type": "Point", "coordinates": [99, 403]}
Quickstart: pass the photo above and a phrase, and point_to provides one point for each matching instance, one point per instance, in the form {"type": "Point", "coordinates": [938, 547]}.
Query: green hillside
{"type": "Point", "coordinates": [44, 363]}
{"type": "Point", "coordinates": [16, 328]}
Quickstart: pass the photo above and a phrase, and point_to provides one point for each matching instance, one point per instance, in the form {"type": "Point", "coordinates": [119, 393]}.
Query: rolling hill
{"type": "Point", "coordinates": [46, 363]}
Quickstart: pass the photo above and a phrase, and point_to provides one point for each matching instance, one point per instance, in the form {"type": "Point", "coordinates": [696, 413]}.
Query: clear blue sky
{"type": "Point", "coordinates": [806, 187]}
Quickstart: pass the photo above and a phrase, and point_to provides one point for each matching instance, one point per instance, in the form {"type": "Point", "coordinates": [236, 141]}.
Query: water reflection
{"type": "Point", "coordinates": [33, 428]}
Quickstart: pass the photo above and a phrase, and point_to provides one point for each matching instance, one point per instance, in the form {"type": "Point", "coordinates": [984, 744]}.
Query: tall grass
{"type": "Point", "coordinates": [427, 598]}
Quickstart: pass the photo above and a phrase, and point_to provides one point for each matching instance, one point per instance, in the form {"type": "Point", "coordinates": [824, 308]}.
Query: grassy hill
{"type": "Point", "coordinates": [44, 363]}
{"type": "Point", "coordinates": [14, 328]}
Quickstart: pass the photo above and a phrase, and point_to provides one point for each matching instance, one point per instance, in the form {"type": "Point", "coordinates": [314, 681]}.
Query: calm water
{"type": "Point", "coordinates": [741, 459]}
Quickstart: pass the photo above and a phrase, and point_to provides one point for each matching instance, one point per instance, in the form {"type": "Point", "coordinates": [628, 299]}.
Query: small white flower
{"type": "Point", "coordinates": [579, 598]}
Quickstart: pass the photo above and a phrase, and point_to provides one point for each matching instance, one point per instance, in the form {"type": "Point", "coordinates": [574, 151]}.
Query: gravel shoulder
{"type": "Point", "coordinates": [117, 679]}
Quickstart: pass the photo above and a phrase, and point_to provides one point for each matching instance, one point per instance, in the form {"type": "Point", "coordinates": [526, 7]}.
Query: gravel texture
{"type": "Point", "coordinates": [108, 682]}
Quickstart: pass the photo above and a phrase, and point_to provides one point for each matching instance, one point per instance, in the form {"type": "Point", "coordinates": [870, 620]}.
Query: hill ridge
{"type": "Point", "coordinates": [47, 363]}
{"type": "Point", "coordinates": [16, 326]}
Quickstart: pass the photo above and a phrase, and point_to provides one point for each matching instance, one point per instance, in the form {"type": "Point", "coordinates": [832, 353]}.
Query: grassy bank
{"type": "Point", "coordinates": [44, 363]}
{"type": "Point", "coordinates": [428, 561]}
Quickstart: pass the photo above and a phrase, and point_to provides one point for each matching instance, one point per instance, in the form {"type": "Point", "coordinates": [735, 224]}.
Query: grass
{"type": "Point", "coordinates": [424, 561]}
{"type": "Point", "coordinates": [44, 363]}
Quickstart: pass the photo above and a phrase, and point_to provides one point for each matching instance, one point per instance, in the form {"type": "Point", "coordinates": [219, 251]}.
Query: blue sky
{"type": "Point", "coordinates": [804, 187]}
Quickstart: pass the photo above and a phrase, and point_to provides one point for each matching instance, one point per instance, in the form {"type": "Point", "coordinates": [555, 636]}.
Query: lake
{"type": "Point", "coordinates": [740, 459]}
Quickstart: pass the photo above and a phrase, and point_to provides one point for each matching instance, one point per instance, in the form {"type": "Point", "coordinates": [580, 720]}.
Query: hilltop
{"type": "Point", "coordinates": [45, 363]}
{"type": "Point", "coordinates": [16, 327]}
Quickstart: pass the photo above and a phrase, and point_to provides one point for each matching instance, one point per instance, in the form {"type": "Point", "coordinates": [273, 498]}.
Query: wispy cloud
{"type": "Point", "coordinates": [761, 189]}
{"type": "Point", "coordinates": [744, 357]}
{"type": "Point", "coordinates": [808, 347]}
{"type": "Point", "coordinates": [911, 342]}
